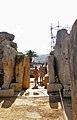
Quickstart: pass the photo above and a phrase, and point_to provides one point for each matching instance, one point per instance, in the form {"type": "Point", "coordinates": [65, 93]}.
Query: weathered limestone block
{"type": "Point", "coordinates": [16, 86]}
{"type": "Point", "coordinates": [26, 81]}
{"type": "Point", "coordinates": [14, 45]}
{"type": "Point", "coordinates": [7, 58]}
{"type": "Point", "coordinates": [54, 97]}
{"type": "Point", "coordinates": [19, 69]}
{"type": "Point", "coordinates": [66, 91]}
{"type": "Point", "coordinates": [61, 56]}
{"type": "Point", "coordinates": [73, 67]}
{"type": "Point", "coordinates": [6, 92]}
{"type": "Point", "coordinates": [7, 35]}
{"type": "Point", "coordinates": [2, 38]}
{"type": "Point", "coordinates": [53, 87]}
{"type": "Point", "coordinates": [22, 70]}
{"type": "Point", "coordinates": [51, 68]}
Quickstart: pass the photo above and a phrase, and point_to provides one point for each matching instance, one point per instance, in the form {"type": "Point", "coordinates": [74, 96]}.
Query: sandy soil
{"type": "Point", "coordinates": [29, 108]}
{"type": "Point", "coordinates": [33, 107]}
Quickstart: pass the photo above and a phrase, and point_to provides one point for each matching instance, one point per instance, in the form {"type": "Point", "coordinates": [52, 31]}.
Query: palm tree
{"type": "Point", "coordinates": [31, 54]}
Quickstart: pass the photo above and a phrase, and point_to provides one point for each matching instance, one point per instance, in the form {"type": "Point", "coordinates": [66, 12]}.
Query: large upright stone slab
{"type": "Point", "coordinates": [51, 68]}
{"type": "Point", "coordinates": [22, 70]}
{"type": "Point", "coordinates": [73, 67]}
{"type": "Point", "coordinates": [26, 81]}
{"type": "Point", "coordinates": [7, 58]}
{"type": "Point", "coordinates": [61, 56]}
{"type": "Point", "coordinates": [19, 69]}
{"type": "Point", "coordinates": [51, 72]}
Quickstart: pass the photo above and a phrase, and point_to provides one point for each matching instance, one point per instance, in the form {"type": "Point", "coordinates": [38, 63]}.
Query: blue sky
{"type": "Point", "coordinates": [30, 21]}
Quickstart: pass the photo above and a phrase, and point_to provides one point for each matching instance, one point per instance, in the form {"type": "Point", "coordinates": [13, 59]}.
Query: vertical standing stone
{"type": "Point", "coordinates": [26, 81]}
{"type": "Point", "coordinates": [19, 69]}
{"type": "Point", "coordinates": [61, 56]}
{"type": "Point", "coordinates": [73, 67]}
{"type": "Point", "coordinates": [8, 58]}
{"type": "Point", "coordinates": [51, 68]}
{"type": "Point", "coordinates": [51, 72]}
{"type": "Point", "coordinates": [2, 38]}
{"type": "Point", "coordinates": [22, 70]}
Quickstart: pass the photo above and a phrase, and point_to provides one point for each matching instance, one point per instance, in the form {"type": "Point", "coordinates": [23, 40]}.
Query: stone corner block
{"type": "Point", "coordinates": [6, 92]}
{"type": "Point", "coordinates": [53, 87]}
{"type": "Point", "coordinates": [16, 86]}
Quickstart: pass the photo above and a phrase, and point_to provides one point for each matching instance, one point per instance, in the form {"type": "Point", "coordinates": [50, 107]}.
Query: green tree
{"type": "Point", "coordinates": [31, 54]}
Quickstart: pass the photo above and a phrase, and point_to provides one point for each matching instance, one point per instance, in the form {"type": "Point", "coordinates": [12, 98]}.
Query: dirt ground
{"type": "Point", "coordinates": [32, 107]}
{"type": "Point", "coordinates": [29, 108]}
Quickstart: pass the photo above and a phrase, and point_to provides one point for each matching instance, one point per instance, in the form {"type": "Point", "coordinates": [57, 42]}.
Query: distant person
{"type": "Point", "coordinates": [41, 73]}
{"type": "Point", "coordinates": [45, 70]}
{"type": "Point", "coordinates": [36, 75]}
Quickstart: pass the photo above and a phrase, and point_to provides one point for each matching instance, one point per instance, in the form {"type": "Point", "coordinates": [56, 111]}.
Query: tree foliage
{"type": "Point", "coordinates": [31, 54]}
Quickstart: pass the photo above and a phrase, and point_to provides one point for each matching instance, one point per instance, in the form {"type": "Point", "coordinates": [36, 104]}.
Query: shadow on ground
{"type": "Point", "coordinates": [7, 102]}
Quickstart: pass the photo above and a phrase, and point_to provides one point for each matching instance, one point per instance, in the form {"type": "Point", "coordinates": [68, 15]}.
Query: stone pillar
{"type": "Point", "coordinates": [51, 68]}
{"type": "Point", "coordinates": [26, 81]}
{"type": "Point", "coordinates": [51, 72]}
{"type": "Point", "coordinates": [19, 69]}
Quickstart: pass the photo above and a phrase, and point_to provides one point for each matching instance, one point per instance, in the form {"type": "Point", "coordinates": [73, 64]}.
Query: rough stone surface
{"type": "Point", "coordinates": [53, 87]}
{"type": "Point", "coordinates": [26, 81]}
{"type": "Point", "coordinates": [19, 69]}
{"type": "Point", "coordinates": [16, 86]}
{"type": "Point", "coordinates": [22, 70]}
{"type": "Point", "coordinates": [61, 56]}
{"type": "Point", "coordinates": [7, 36]}
{"type": "Point", "coordinates": [66, 91]}
{"type": "Point", "coordinates": [7, 93]}
{"type": "Point", "coordinates": [7, 59]}
{"type": "Point", "coordinates": [51, 68]}
{"type": "Point", "coordinates": [73, 67]}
